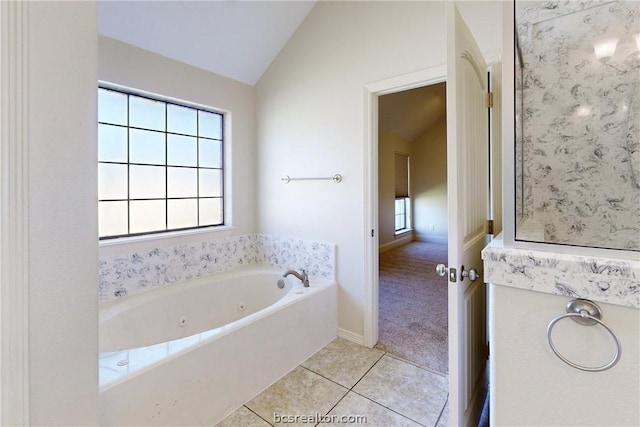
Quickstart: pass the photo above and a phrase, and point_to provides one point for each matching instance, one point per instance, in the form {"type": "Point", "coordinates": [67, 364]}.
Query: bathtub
{"type": "Point", "coordinates": [191, 353]}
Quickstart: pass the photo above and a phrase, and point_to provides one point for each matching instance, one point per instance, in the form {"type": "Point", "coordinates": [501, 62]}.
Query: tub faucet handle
{"type": "Point", "coordinates": [304, 278]}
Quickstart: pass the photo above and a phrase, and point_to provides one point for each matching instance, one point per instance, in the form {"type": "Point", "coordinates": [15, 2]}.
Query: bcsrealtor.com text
{"type": "Point", "coordinates": [318, 418]}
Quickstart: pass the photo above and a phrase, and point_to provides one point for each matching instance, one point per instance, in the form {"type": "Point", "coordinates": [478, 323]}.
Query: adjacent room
{"type": "Point", "coordinates": [412, 204]}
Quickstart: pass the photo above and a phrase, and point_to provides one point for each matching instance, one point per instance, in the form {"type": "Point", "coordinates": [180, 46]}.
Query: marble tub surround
{"type": "Point", "coordinates": [130, 273]}
{"type": "Point", "coordinates": [317, 258]}
{"type": "Point", "coordinates": [578, 165]}
{"type": "Point", "coordinates": [385, 390]}
{"type": "Point", "coordinates": [608, 280]}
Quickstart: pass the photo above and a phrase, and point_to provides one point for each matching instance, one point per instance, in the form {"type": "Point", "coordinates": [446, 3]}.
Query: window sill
{"type": "Point", "coordinates": [402, 233]}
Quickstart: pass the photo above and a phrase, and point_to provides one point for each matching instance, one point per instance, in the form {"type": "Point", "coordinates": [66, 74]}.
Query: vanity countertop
{"type": "Point", "coordinates": [608, 280]}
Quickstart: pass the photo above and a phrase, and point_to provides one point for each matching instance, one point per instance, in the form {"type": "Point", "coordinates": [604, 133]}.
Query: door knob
{"type": "Point", "coordinates": [472, 274]}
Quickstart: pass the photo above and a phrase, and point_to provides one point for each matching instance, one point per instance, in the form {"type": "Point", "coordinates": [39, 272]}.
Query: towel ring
{"type": "Point", "coordinates": [586, 313]}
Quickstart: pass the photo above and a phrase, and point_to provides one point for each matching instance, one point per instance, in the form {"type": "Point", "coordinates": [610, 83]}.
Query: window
{"type": "Point", "coordinates": [403, 202]}
{"type": "Point", "coordinates": [402, 214]}
{"type": "Point", "coordinates": [160, 165]}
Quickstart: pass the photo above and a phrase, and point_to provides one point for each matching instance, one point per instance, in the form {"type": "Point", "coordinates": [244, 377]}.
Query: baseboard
{"type": "Point", "coordinates": [430, 238]}
{"type": "Point", "coordinates": [400, 241]}
{"type": "Point", "coordinates": [351, 336]}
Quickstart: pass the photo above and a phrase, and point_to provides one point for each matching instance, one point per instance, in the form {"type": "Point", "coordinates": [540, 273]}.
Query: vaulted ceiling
{"type": "Point", "coordinates": [411, 113]}
{"type": "Point", "coordinates": [239, 39]}
{"type": "Point", "coordinates": [236, 39]}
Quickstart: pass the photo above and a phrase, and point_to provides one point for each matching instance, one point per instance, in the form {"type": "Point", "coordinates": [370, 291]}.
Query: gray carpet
{"type": "Point", "coordinates": [413, 305]}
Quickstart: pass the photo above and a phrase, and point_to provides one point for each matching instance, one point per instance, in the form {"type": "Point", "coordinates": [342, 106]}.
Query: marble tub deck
{"type": "Point", "coordinates": [346, 379]}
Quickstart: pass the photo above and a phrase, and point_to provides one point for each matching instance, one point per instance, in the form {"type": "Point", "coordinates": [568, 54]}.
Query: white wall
{"type": "Point", "coordinates": [530, 386]}
{"type": "Point", "coordinates": [429, 184]}
{"type": "Point", "coordinates": [62, 219]}
{"type": "Point", "coordinates": [310, 110]}
{"type": "Point", "coordinates": [127, 65]}
{"type": "Point", "coordinates": [310, 106]}
{"type": "Point", "coordinates": [388, 145]}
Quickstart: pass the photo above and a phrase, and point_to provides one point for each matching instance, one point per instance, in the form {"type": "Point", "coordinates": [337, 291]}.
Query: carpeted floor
{"type": "Point", "coordinates": [413, 305]}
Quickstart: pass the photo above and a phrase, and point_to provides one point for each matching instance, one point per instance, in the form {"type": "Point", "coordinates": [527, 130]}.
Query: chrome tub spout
{"type": "Point", "coordinates": [304, 278]}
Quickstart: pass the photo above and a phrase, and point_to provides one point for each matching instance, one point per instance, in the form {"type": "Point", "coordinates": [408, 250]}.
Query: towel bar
{"type": "Point", "coordinates": [335, 178]}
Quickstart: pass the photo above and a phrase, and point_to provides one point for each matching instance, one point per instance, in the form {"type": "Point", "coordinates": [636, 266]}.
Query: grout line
{"type": "Point", "coordinates": [339, 400]}
{"type": "Point", "coordinates": [351, 389]}
{"type": "Point", "coordinates": [391, 409]}
{"type": "Point", "coordinates": [329, 379]}
{"type": "Point", "coordinates": [258, 415]}
{"type": "Point", "coordinates": [424, 368]}
{"type": "Point", "coordinates": [371, 400]}
{"type": "Point", "coordinates": [442, 410]}
{"type": "Point", "coordinates": [368, 398]}
{"type": "Point", "coordinates": [386, 407]}
{"type": "Point", "coordinates": [368, 370]}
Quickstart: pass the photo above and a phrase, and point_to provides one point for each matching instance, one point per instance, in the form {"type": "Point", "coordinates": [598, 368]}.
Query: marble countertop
{"type": "Point", "coordinates": [607, 280]}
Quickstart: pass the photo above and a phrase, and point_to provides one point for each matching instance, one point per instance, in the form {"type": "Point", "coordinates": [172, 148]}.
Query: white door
{"type": "Point", "coordinates": [468, 205]}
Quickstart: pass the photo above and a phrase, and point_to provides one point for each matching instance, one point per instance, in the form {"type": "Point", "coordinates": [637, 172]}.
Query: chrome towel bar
{"type": "Point", "coordinates": [586, 313]}
{"type": "Point", "coordinates": [335, 178]}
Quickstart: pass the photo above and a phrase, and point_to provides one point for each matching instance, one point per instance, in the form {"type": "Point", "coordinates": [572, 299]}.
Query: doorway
{"type": "Point", "coordinates": [372, 93]}
{"type": "Point", "coordinates": [465, 142]}
{"type": "Point", "coordinates": [412, 225]}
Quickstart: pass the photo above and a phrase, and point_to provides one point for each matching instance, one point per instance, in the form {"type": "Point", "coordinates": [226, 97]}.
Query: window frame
{"type": "Point", "coordinates": [406, 215]}
{"type": "Point", "coordinates": [402, 184]}
{"type": "Point", "coordinates": [224, 192]}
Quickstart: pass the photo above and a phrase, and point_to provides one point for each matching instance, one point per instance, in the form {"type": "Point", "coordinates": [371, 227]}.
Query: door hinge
{"type": "Point", "coordinates": [489, 226]}
{"type": "Point", "coordinates": [373, 233]}
{"type": "Point", "coordinates": [488, 351]}
{"type": "Point", "coordinates": [489, 99]}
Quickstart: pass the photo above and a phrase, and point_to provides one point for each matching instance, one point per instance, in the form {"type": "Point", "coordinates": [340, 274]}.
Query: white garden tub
{"type": "Point", "coordinates": [191, 353]}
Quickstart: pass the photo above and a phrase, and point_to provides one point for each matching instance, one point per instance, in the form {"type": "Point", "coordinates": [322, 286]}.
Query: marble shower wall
{"type": "Point", "coordinates": [581, 123]}
{"type": "Point", "coordinates": [136, 272]}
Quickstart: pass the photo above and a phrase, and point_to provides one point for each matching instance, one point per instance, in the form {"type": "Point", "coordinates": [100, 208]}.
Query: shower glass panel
{"type": "Point", "coordinates": [577, 122]}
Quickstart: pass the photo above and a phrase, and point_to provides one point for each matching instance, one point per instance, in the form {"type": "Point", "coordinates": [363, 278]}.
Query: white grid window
{"type": "Point", "coordinates": [160, 165]}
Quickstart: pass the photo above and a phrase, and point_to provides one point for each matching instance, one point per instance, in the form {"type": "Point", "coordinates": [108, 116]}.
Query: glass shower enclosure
{"type": "Point", "coordinates": [577, 123]}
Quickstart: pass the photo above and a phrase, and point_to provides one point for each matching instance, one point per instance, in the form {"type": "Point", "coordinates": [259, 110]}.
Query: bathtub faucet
{"type": "Point", "coordinates": [304, 278]}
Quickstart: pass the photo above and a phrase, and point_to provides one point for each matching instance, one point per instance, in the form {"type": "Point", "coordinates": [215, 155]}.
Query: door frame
{"type": "Point", "coordinates": [372, 91]}
{"type": "Point", "coordinates": [14, 218]}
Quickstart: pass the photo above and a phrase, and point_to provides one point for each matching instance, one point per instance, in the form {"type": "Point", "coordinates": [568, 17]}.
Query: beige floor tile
{"type": "Point", "coordinates": [299, 393]}
{"type": "Point", "coordinates": [243, 417]}
{"type": "Point", "coordinates": [343, 361]}
{"type": "Point", "coordinates": [411, 391]}
{"type": "Point", "coordinates": [353, 407]}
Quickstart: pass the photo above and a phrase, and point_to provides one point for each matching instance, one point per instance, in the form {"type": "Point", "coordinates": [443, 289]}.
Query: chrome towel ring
{"type": "Point", "coordinates": [586, 313]}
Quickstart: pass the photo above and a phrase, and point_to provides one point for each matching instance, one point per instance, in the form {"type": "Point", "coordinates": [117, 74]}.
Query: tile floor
{"type": "Point", "coordinates": [345, 379]}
